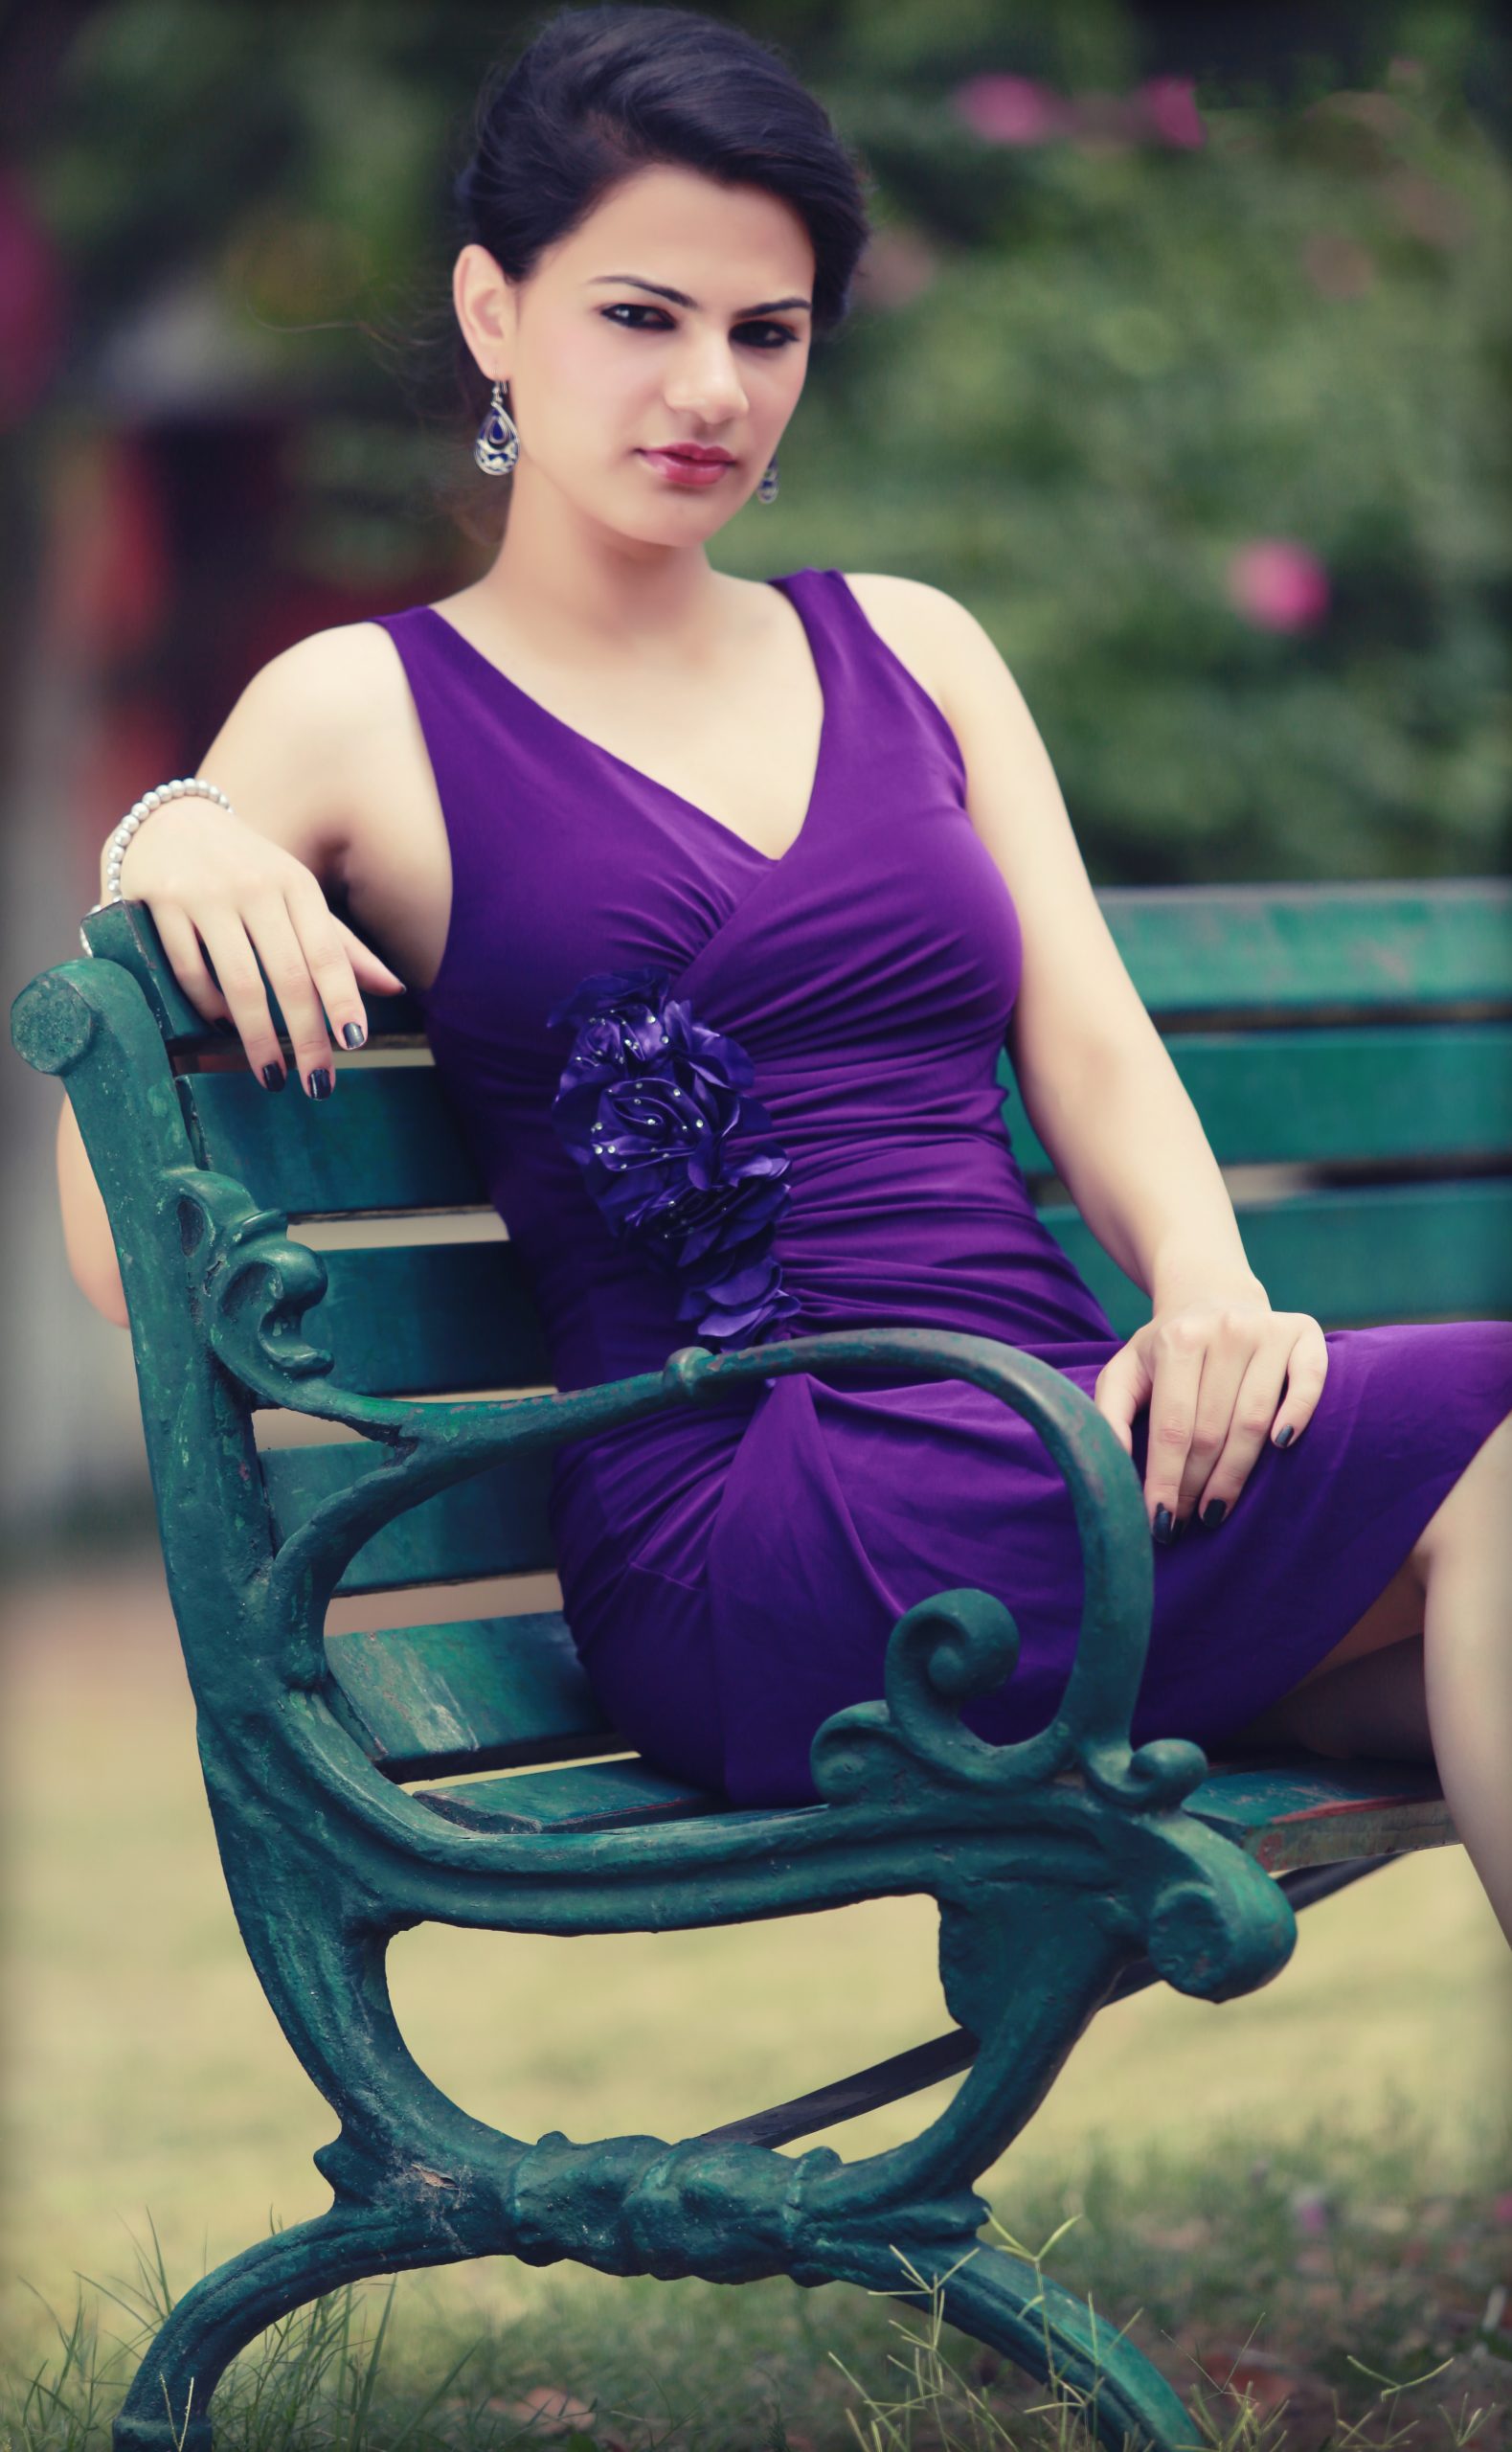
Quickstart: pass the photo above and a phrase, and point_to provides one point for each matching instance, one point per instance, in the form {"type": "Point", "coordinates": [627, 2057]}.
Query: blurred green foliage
{"type": "Point", "coordinates": [1085, 380]}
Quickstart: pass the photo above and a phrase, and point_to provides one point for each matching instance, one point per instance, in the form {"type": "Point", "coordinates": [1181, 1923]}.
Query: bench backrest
{"type": "Point", "coordinates": [1349, 1051]}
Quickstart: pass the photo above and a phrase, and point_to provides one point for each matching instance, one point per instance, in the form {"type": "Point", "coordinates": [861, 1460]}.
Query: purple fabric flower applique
{"type": "Point", "coordinates": [647, 1103]}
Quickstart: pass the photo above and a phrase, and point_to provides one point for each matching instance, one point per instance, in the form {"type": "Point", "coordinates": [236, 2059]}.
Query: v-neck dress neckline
{"type": "Point", "coordinates": [827, 685]}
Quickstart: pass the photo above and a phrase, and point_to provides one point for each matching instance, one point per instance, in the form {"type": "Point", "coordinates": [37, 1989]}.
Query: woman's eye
{"type": "Point", "coordinates": [634, 307]}
{"type": "Point", "coordinates": [781, 332]}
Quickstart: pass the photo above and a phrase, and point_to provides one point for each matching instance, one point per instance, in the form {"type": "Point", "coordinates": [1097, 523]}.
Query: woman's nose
{"type": "Point", "coordinates": [707, 384]}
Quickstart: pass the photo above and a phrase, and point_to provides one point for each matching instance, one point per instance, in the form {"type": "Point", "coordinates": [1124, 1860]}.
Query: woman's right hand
{"type": "Point", "coordinates": [222, 896]}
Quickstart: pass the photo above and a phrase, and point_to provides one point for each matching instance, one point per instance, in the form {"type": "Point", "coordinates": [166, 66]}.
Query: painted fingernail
{"type": "Point", "coordinates": [321, 1083]}
{"type": "Point", "coordinates": [1215, 1510]}
{"type": "Point", "coordinates": [274, 1077]}
{"type": "Point", "coordinates": [1284, 1437]}
{"type": "Point", "coordinates": [1164, 1531]}
{"type": "Point", "coordinates": [353, 1034]}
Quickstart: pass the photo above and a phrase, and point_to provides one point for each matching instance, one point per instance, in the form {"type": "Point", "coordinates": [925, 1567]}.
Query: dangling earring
{"type": "Point", "coordinates": [498, 444]}
{"type": "Point", "coordinates": [766, 490]}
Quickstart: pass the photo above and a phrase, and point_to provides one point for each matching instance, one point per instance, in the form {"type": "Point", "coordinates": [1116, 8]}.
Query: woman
{"type": "Point", "coordinates": [663, 853]}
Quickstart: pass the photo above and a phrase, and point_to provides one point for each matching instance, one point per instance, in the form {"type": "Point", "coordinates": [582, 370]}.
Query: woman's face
{"type": "Point", "coordinates": [637, 331]}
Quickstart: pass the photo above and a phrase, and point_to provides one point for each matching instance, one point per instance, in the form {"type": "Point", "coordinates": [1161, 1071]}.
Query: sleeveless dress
{"type": "Point", "coordinates": [731, 1574]}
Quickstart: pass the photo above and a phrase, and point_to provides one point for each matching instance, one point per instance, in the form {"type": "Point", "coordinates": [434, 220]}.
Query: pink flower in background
{"type": "Point", "coordinates": [1016, 111]}
{"type": "Point", "coordinates": [1278, 586]}
{"type": "Point", "coordinates": [1010, 110]}
{"type": "Point", "coordinates": [1170, 107]}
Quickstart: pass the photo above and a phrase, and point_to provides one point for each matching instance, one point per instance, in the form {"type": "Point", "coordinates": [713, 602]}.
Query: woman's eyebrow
{"type": "Point", "coordinates": [679, 297]}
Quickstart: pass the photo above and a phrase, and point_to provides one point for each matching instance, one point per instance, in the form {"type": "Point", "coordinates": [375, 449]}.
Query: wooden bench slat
{"type": "Point", "coordinates": [596, 1796]}
{"type": "Point", "coordinates": [1387, 1252]}
{"type": "Point", "coordinates": [469, 1694]}
{"type": "Point", "coordinates": [1371, 946]}
{"type": "Point", "coordinates": [495, 1524]}
{"type": "Point", "coordinates": [424, 1319]}
{"type": "Point", "coordinates": [385, 1139]}
{"type": "Point", "coordinates": [1302, 1808]}
{"type": "Point", "coordinates": [1331, 1097]}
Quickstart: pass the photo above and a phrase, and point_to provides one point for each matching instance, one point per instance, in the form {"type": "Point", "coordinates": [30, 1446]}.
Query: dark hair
{"type": "Point", "coordinates": [600, 93]}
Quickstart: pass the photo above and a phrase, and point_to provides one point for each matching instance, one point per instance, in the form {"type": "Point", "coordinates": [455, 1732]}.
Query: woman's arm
{"type": "Point", "coordinates": [86, 1229]}
{"type": "Point", "coordinates": [1212, 1361]}
{"type": "Point", "coordinates": [237, 887]}
{"type": "Point", "coordinates": [1099, 1084]}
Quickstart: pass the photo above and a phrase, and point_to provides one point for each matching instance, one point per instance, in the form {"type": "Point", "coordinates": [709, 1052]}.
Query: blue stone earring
{"type": "Point", "coordinates": [498, 444]}
{"type": "Point", "coordinates": [766, 490]}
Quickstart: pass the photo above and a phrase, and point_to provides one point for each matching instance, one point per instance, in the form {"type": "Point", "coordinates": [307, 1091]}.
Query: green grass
{"type": "Point", "coordinates": [1307, 2193]}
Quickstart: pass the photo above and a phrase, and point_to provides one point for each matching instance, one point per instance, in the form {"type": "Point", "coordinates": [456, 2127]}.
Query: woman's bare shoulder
{"type": "Point", "coordinates": [333, 682]}
{"type": "Point", "coordinates": [393, 859]}
{"type": "Point", "coordinates": [324, 753]}
{"type": "Point", "coordinates": [328, 724]}
{"type": "Point", "coordinates": [309, 706]}
{"type": "Point", "coordinates": [284, 753]}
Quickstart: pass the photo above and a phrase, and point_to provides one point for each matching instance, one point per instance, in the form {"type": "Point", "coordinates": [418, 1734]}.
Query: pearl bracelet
{"type": "Point", "coordinates": [180, 788]}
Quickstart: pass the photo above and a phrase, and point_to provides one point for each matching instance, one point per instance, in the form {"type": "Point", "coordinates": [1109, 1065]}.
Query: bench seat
{"type": "Point", "coordinates": [1285, 1808]}
{"type": "Point", "coordinates": [508, 1694]}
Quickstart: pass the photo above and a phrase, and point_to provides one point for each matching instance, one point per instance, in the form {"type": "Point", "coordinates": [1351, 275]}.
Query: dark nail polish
{"type": "Point", "coordinates": [321, 1083]}
{"type": "Point", "coordinates": [1163, 1532]}
{"type": "Point", "coordinates": [274, 1077]}
{"type": "Point", "coordinates": [1215, 1510]}
{"type": "Point", "coordinates": [1284, 1437]}
{"type": "Point", "coordinates": [353, 1034]}
{"type": "Point", "coordinates": [225, 1027]}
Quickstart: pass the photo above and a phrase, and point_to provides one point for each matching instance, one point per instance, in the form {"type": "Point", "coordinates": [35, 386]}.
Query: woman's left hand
{"type": "Point", "coordinates": [1212, 1373]}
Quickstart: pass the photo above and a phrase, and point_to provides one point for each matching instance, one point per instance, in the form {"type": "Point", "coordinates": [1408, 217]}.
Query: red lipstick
{"type": "Point", "coordinates": [688, 464]}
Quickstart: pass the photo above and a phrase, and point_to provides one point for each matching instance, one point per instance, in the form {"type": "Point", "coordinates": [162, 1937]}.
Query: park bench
{"type": "Point", "coordinates": [362, 1782]}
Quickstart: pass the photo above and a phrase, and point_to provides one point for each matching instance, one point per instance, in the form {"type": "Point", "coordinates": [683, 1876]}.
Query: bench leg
{"type": "Point", "coordinates": [167, 2407]}
{"type": "Point", "coordinates": [1051, 2334]}
{"type": "Point", "coordinates": [997, 2299]}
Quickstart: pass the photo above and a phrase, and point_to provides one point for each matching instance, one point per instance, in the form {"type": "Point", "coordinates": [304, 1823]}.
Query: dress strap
{"type": "Point", "coordinates": [873, 670]}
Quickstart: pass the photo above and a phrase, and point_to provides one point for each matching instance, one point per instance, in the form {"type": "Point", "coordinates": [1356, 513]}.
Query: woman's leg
{"type": "Point", "coordinates": [1432, 1657]}
{"type": "Point", "coordinates": [1467, 1653]}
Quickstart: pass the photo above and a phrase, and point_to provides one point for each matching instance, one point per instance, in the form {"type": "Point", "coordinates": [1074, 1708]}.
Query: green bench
{"type": "Point", "coordinates": [1358, 1032]}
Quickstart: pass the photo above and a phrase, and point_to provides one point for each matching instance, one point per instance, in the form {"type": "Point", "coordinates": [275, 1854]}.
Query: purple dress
{"type": "Point", "coordinates": [730, 1572]}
